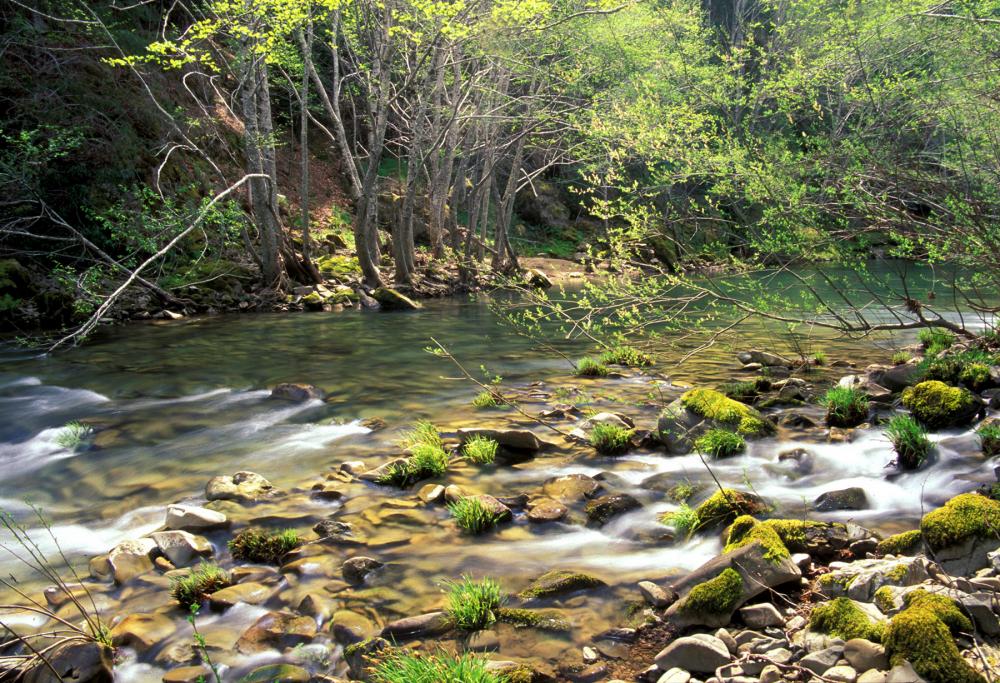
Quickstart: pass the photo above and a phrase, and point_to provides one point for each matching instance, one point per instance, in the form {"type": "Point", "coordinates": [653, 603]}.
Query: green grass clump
{"type": "Point", "coordinates": [922, 634]}
{"type": "Point", "coordinates": [473, 515]}
{"type": "Point", "coordinates": [819, 358]}
{"type": "Point", "coordinates": [425, 462]}
{"type": "Point", "coordinates": [714, 405]}
{"type": "Point", "coordinates": [481, 450]}
{"type": "Point", "coordinates": [938, 406]}
{"type": "Point", "coordinates": [473, 605]}
{"type": "Point", "coordinates": [681, 492]}
{"type": "Point", "coordinates": [842, 618]}
{"type": "Point", "coordinates": [909, 440]}
{"type": "Point", "coordinates": [746, 390]}
{"type": "Point", "coordinates": [684, 520]}
{"type": "Point", "coordinates": [935, 340]}
{"type": "Point", "coordinates": [408, 667]}
{"type": "Point", "coordinates": [845, 407]}
{"type": "Point", "coordinates": [970, 368]}
{"type": "Point", "coordinates": [253, 545]}
{"type": "Point", "coordinates": [904, 543]}
{"type": "Point", "coordinates": [719, 596]}
{"type": "Point", "coordinates": [627, 356]}
{"type": "Point", "coordinates": [989, 439]}
{"type": "Point", "coordinates": [720, 443]}
{"type": "Point", "coordinates": [487, 399]}
{"type": "Point", "coordinates": [588, 367]}
{"type": "Point", "coordinates": [422, 432]}
{"type": "Point", "coordinates": [964, 517]}
{"type": "Point", "coordinates": [610, 439]}
{"type": "Point", "coordinates": [195, 586]}
{"type": "Point", "coordinates": [746, 530]}
{"type": "Point", "coordinates": [900, 358]}
{"type": "Point", "coordinates": [72, 435]}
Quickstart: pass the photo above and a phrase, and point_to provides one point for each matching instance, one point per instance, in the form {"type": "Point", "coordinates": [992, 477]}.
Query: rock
{"type": "Point", "coordinates": [873, 390]}
{"type": "Point", "coordinates": [601, 510]}
{"type": "Point", "coordinates": [770, 674]}
{"type": "Point", "coordinates": [700, 653]}
{"type": "Point", "coordinates": [820, 661]}
{"type": "Point", "coordinates": [376, 475]}
{"type": "Point", "coordinates": [192, 517]}
{"type": "Point", "coordinates": [699, 410]}
{"type": "Point", "coordinates": [655, 596]}
{"type": "Point", "coordinates": [727, 638]}
{"type": "Point", "coordinates": [705, 603]}
{"type": "Point", "coordinates": [864, 655]}
{"type": "Point", "coordinates": [312, 605]}
{"type": "Point", "coordinates": [277, 673]}
{"type": "Point", "coordinates": [894, 377]}
{"type": "Point", "coordinates": [547, 510]}
{"type": "Point", "coordinates": [181, 547]}
{"type": "Point", "coordinates": [675, 675]}
{"type": "Point", "coordinates": [764, 358]}
{"type": "Point", "coordinates": [761, 616]}
{"type": "Point", "coordinates": [537, 278]}
{"type": "Point", "coordinates": [431, 493]}
{"type": "Point", "coordinates": [357, 569]}
{"type": "Point", "coordinates": [277, 630]}
{"type": "Point", "coordinates": [797, 420]}
{"type": "Point", "coordinates": [243, 487]}
{"type": "Point", "coordinates": [852, 498]}
{"type": "Point", "coordinates": [363, 655]}
{"type": "Point", "coordinates": [860, 579]}
{"type": "Point", "coordinates": [187, 674]}
{"type": "Point", "coordinates": [250, 592]}
{"type": "Point", "coordinates": [872, 676]}
{"type": "Point", "coordinates": [129, 559]}
{"type": "Point", "coordinates": [841, 674]}
{"type": "Point", "coordinates": [348, 627]}
{"type": "Point", "coordinates": [559, 582]}
{"type": "Point", "coordinates": [514, 439]}
{"type": "Point", "coordinates": [73, 662]}
{"type": "Point", "coordinates": [570, 488]}
{"type": "Point", "coordinates": [297, 393]}
{"type": "Point", "coordinates": [421, 626]}
{"type": "Point", "coordinates": [938, 406]}
{"type": "Point", "coordinates": [393, 300]}
{"type": "Point", "coordinates": [963, 532]}
{"type": "Point", "coordinates": [903, 673]}
{"type": "Point", "coordinates": [142, 631]}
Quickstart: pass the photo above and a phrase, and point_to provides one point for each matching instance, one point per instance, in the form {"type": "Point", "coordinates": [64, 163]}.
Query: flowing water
{"type": "Point", "coordinates": [174, 403]}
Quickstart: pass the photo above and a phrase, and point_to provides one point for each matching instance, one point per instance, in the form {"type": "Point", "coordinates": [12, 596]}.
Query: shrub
{"type": "Point", "coordinates": [588, 367]}
{"type": "Point", "coordinates": [909, 440]}
{"type": "Point", "coordinates": [684, 520]}
{"type": "Point", "coordinates": [845, 407]}
{"type": "Point", "coordinates": [935, 340]}
{"type": "Point", "coordinates": [627, 356]}
{"type": "Point", "coordinates": [406, 667]}
{"type": "Point", "coordinates": [900, 358]}
{"type": "Point", "coordinates": [253, 545]}
{"type": "Point", "coordinates": [487, 399]}
{"type": "Point", "coordinates": [720, 443]}
{"type": "Point", "coordinates": [473, 605]}
{"type": "Point", "coordinates": [473, 515]}
{"type": "Point", "coordinates": [189, 590]}
{"type": "Point", "coordinates": [481, 450]}
{"type": "Point", "coordinates": [72, 435]}
{"type": "Point", "coordinates": [610, 439]}
{"type": "Point", "coordinates": [989, 439]}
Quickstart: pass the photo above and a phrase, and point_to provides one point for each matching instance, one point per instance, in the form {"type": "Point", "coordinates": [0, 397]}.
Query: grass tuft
{"type": "Point", "coordinates": [422, 432]}
{"type": "Point", "coordinates": [473, 605]}
{"type": "Point", "coordinates": [588, 367]}
{"type": "Point", "coordinates": [935, 340]}
{"type": "Point", "coordinates": [473, 515]}
{"type": "Point", "coordinates": [720, 443]}
{"type": "Point", "coordinates": [901, 358]}
{"type": "Point", "coordinates": [487, 399]}
{"type": "Point", "coordinates": [684, 520]}
{"type": "Point", "coordinates": [845, 407]}
{"type": "Point", "coordinates": [72, 435]}
{"type": "Point", "coordinates": [192, 588]}
{"type": "Point", "coordinates": [254, 545]}
{"type": "Point", "coordinates": [481, 450]}
{"type": "Point", "coordinates": [409, 667]}
{"type": "Point", "coordinates": [989, 439]}
{"type": "Point", "coordinates": [819, 358]}
{"type": "Point", "coordinates": [610, 439]}
{"type": "Point", "coordinates": [627, 356]}
{"type": "Point", "coordinates": [426, 461]}
{"type": "Point", "coordinates": [909, 440]}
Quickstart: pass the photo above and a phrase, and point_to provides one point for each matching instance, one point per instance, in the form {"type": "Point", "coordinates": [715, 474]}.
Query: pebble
{"type": "Point", "coordinates": [761, 616]}
{"type": "Point", "coordinates": [654, 595]}
{"type": "Point", "coordinates": [841, 674]}
{"type": "Point", "coordinates": [675, 675]}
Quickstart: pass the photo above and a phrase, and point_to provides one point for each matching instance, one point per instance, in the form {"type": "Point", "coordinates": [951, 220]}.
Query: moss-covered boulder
{"type": "Point", "coordinates": [905, 543]}
{"type": "Point", "coordinates": [559, 582]}
{"type": "Point", "coordinates": [746, 530]}
{"type": "Point", "coordinates": [725, 505]}
{"type": "Point", "coordinates": [922, 634]}
{"type": "Point", "coordinates": [938, 406]}
{"type": "Point", "coordinates": [844, 618]}
{"type": "Point", "coordinates": [699, 410]}
{"type": "Point", "coordinates": [393, 300]}
{"type": "Point", "coordinates": [962, 532]}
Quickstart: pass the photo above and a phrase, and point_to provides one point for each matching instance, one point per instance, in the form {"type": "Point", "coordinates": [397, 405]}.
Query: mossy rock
{"type": "Point", "coordinates": [938, 406]}
{"type": "Point", "coordinates": [844, 618]}
{"type": "Point", "coordinates": [699, 410]}
{"type": "Point", "coordinates": [905, 543]}
{"type": "Point", "coordinates": [724, 506]}
{"type": "Point", "coordinates": [963, 530]}
{"type": "Point", "coordinates": [922, 635]}
{"type": "Point", "coordinates": [558, 582]}
{"type": "Point", "coordinates": [342, 268]}
{"type": "Point", "coordinates": [746, 530]}
{"type": "Point", "coordinates": [393, 300]}
{"type": "Point", "coordinates": [529, 618]}
{"type": "Point", "coordinates": [719, 596]}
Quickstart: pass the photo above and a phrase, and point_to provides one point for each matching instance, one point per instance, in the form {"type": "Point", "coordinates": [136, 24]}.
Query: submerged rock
{"type": "Point", "coordinates": [142, 631]}
{"type": "Point", "coordinates": [853, 498]}
{"type": "Point", "coordinates": [763, 358]}
{"type": "Point", "coordinates": [601, 510]}
{"type": "Point", "coordinates": [547, 510]}
{"type": "Point", "coordinates": [570, 488]}
{"type": "Point", "coordinates": [357, 569]}
{"type": "Point", "coordinates": [297, 393]}
{"type": "Point", "coordinates": [277, 630]}
{"type": "Point", "coordinates": [559, 582]}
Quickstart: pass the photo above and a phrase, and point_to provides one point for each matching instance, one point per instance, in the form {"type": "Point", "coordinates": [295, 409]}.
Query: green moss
{"type": "Point", "coordinates": [746, 390]}
{"type": "Point", "coordinates": [195, 586]}
{"type": "Point", "coordinates": [746, 530]}
{"type": "Point", "coordinates": [726, 505]}
{"type": "Point", "coordinates": [716, 406]}
{"type": "Point", "coordinates": [253, 545]}
{"type": "Point", "coordinates": [720, 595]}
{"type": "Point", "coordinates": [900, 544]}
{"type": "Point", "coordinates": [792, 532]}
{"type": "Point", "coordinates": [339, 267]}
{"type": "Point", "coordinates": [897, 573]}
{"type": "Point", "coordinates": [720, 443]}
{"type": "Point", "coordinates": [937, 405]}
{"type": "Point", "coordinates": [883, 600]}
{"type": "Point", "coordinates": [529, 618]}
{"type": "Point", "coordinates": [969, 515]}
{"type": "Point", "coordinates": [842, 618]}
{"type": "Point", "coordinates": [559, 581]}
{"type": "Point", "coordinates": [922, 635]}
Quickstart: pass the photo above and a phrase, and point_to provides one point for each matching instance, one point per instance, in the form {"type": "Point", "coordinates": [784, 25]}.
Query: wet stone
{"type": "Point", "coordinates": [277, 630]}
{"type": "Point", "coordinates": [547, 510]}
{"type": "Point", "coordinates": [356, 569]}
